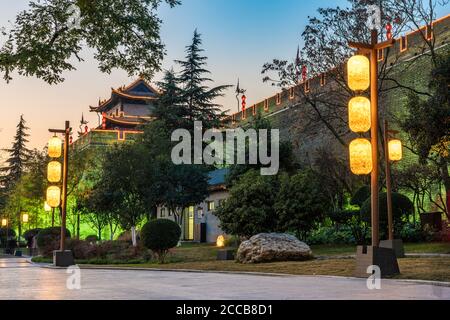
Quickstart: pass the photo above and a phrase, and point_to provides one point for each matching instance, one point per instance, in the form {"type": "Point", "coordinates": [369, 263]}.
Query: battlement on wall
{"type": "Point", "coordinates": [407, 47]}
{"type": "Point", "coordinates": [104, 138]}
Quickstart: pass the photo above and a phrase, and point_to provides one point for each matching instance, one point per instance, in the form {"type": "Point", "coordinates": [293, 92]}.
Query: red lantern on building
{"type": "Point", "coordinates": [244, 102]}
{"type": "Point", "coordinates": [389, 31]}
{"type": "Point", "coordinates": [304, 73]}
{"type": "Point", "coordinates": [86, 129]}
{"type": "Point", "coordinates": [70, 140]}
{"type": "Point", "coordinates": [103, 121]}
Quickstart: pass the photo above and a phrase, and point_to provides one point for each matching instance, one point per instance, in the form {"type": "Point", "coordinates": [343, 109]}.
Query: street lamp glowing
{"type": "Point", "coordinates": [4, 222]}
{"type": "Point", "coordinates": [361, 157]}
{"type": "Point", "coordinates": [54, 170]}
{"type": "Point", "coordinates": [358, 70]}
{"type": "Point", "coordinates": [54, 196]}
{"type": "Point", "coordinates": [359, 114]}
{"type": "Point", "coordinates": [54, 147]}
{"type": "Point", "coordinates": [25, 218]}
{"type": "Point", "coordinates": [220, 241]}
{"type": "Point", "coordinates": [395, 150]}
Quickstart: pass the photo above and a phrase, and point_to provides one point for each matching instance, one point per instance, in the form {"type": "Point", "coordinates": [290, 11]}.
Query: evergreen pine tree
{"type": "Point", "coordinates": [171, 108]}
{"type": "Point", "coordinates": [196, 94]}
{"type": "Point", "coordinates": [18, 157]}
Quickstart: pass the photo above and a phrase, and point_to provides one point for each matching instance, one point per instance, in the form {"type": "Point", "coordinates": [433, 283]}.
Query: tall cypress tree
{"type": "Point", "coordinates": [19, 156]}
{"type": "Point", "coordinates": [196, 94]}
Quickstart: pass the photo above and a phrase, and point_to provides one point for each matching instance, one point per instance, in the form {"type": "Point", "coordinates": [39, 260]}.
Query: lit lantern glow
{"type": "Point", "coordinates": [220, 241]}
{"type": "Point", "coordinates": [25, 218]}
{"type": "Point", "coordinates": [47, 208]}
{"type": "Point", "coordinates": [361, 157]}
{"type": "Point", "coordinates": [54, 196]}
{"type": "Point", "coordinates": [358, 69]}
{"type": "Point", "coordinates": [54, 169]}
{"type": "Point", "coordinates": [359, 114]}
{"type": "Point", "coordinates": [4, 222]}
{"type": "Point", "coordinates": [55, 147]}
{"type": "Point", "coordinates": [395, 150]}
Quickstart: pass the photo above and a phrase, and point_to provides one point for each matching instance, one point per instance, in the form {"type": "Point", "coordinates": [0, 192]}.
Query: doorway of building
{"type": "Point", "coordinates": [189, 224]}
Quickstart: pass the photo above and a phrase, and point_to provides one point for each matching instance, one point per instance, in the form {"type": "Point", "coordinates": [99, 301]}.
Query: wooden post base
{"type": "Point", "coordinates": [384, 258]}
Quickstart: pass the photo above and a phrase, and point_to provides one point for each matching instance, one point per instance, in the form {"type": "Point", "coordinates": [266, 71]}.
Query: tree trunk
{"type": "Point", "coordinates": [446, 179]}
{"type": "Point", "coordinates": [111, 232]}
{"type": "Point", "coordinates": [78, 226]}
{"type": "Point", "coordinates": [133, 236]}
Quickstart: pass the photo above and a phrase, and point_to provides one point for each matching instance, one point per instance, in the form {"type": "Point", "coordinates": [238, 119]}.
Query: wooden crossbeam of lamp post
{"type": "Point", "coordinates": [372, 50]}
{"type": "Point", "coordinates": [66, 132]}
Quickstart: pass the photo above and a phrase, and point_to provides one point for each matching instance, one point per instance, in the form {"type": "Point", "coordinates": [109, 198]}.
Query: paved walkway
{"type": "Point", "coordinates": [21, 280]}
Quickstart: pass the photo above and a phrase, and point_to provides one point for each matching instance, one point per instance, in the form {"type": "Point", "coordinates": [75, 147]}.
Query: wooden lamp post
{"type": "Point", "coordinates": [362, 73]}
{"type": "Point", "coordinates": [393, 151]}
{"type": "Point", "coordinates": [56, 196]}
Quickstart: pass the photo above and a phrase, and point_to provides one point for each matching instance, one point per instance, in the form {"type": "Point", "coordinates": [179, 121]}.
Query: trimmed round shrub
{"type": "Point", "coordinates": [92, 238]}
{"type": "Point", "coordinates": [48, 240]}
{"type": "Point", "coordinates": [360, 196]}
{"type": "Point", "coordinates": [160, 236]}
{"type": "Point", "coordinates": [401, 207]}
{"type": "Point", "coordinates": [29, 236]}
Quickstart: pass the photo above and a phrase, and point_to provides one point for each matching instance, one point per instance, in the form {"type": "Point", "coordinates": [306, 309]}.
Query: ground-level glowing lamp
{"type": "Point", "coordinates": [54, 170]}
{"type": "Point", "coordinates": [220, 243]}
{"type": "Point", "coordinates": [358, 72]}
{"type": "Point", "coordinates": [54, 196]}
{"type": "Point", "coordinates": [359, 114]}
{"type": "Point", "coordinates": [55, 147]}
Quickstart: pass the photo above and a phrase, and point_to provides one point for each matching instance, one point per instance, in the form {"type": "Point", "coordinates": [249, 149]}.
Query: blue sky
{"type": "Point", "coordinates": [239, 36]}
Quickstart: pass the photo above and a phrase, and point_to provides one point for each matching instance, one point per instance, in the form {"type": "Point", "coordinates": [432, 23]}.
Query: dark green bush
{"type": "Point", "coordinates": [4, 231]}
{"type": "Point", "coordinates": [360, 196]}
{"type": "Point", "coordinates": [80, 249]}
{"type": "Point", "coordinates": [29, 236]}
{"type": "Point", "coordinates": [49, 239]}
{"type": "Point", "coordinates": [331, 235]}
{"type": "Point", "coordinates": [160, 236]}
{"type": "Point", "coordinates": [401, 208]}
{"type": "Point", "coordinates": [92, 238]}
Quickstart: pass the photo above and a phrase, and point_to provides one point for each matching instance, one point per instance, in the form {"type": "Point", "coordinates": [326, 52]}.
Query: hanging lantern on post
{"type": "Point", "coordinates": [361, 157]}
{"type": "Point", "coordinates": [54, 196]}
{"type": "Point", "coordinates": [54, 170]}
{"type": "Point", "coordinates": [358, 72]}
{"type": "Point", "coordinates": [395, 150]}
{"type": "Point", "coordinates": [25, 218]}
{"type": "Point", "coordinates": [4, 222]}
{"type": "Point", "coordinates": [359, 114]}
{"type": "Point", "coordinates": [55, 147]}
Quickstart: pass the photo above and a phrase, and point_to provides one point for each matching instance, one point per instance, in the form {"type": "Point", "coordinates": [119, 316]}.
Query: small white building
{"type": "Point", "coordinates": [199, 222]}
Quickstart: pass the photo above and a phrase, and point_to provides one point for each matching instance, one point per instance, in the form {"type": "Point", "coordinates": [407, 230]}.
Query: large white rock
{"type": "Point", "coordinates": [269, 247]}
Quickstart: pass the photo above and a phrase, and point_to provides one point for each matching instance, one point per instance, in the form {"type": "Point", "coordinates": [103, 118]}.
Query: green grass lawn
{"type": "Point", "coordinates": [337, 250]}
{"type": "Point", "coordinates": [203, 257]}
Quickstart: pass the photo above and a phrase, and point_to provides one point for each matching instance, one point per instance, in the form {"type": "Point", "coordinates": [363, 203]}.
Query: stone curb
{"type": "Point", "coordinates": [90, 267]}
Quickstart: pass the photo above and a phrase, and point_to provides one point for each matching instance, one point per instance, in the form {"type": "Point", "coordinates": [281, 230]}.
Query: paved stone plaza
{"type": "Point", "coordinates": [22, 280]}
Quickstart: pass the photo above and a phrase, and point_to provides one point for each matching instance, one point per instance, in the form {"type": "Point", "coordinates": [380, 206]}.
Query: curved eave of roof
{"type": "Point", "coordinates": [120, 121]}
{"type": "Point", "coordinates": [132, 97]}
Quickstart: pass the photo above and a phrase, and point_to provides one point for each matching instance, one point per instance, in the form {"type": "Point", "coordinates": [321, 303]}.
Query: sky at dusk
{"type": "Point", "coordinates": [239, 36]}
